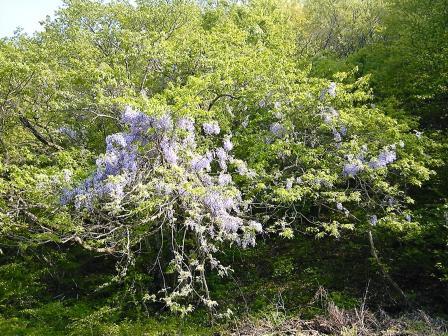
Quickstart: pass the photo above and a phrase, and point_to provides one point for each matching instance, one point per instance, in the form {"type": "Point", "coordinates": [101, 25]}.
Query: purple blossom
{"type": "Point", "coordinates": [130, 162]}
{"type": "Point", "coordinates": [337, 136]}
{"type": "Point", "coordinates": [170, 155]}
{"type": "Point", "coordinates": [387, 156]}
{"type": "Point", "coordinates": [164, 123]}
{"type": "Point", "coordinates": [108, 163]}
{"type": "Point", "coordinates": [229, 203]}
{"type": "Point", "coordinates": [211, 128]}
{"type": "Point", "coordinates": [116, 169]}
{"type": "Point", "coordinates": [329, 114]}
{"type": "Point", "coordinates": [206, 180]}
{"type": "Point", "coordinates": [373, 220]}
{"type": "Point", "coordinates": [230, 223]}
{"type": "Point", "coordinates": [148, 143]}
{"type": "Point", "coordinates": [221, 155]}
{"type": "Point", "coordinates": [339, 206]}
{"type": "Point", "coordinates": [113, 189]}
{"type": "Point", "coordinates": [71, 133]}
{"type": "Point", "coordinates": [277, 129]}
{"type": "Point", "coordinates": [224, 179]}
{"type": "Point", "coordinates": [117, 139]}
{"type": "Point", "coordinates": [201, 163]}
{"type": "Point", "coordinates": [217, 203]}
{"type": "Point", "coordinates": [351, 169]}
{"type": "Point", "coordinates": [130, 115]}
{"type": "Point", "coordinates": [169, 151]}
{"type": "Point", "coordinates": [67, 196]}
{"type": "Point", "coordinates": [189, 140]}
{"type": "Point", "coordinates": [331, 90]}
{"type": "Point", "coordinates": [186, 124]}
{"type": "Point", "coordinates": [136, 120]}
{"type": "Point", "coordinates": [227, 144]}
{"type": "Point", "coordinates": [384, 158]}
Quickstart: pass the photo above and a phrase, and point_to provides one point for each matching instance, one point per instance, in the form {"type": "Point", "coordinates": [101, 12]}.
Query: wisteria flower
{"type": "Point", "coordinates": [211, 128]}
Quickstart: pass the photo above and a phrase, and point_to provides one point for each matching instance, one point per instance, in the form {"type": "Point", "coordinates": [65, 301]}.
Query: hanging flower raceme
{"type": "Point", "coordinates": [154, 175]}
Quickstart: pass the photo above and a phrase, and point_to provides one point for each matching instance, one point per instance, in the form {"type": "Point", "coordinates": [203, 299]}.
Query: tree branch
{"type": "Point", "coordinates": [219, 97]}
{"type": "Point", "coordinates": [26, 123]}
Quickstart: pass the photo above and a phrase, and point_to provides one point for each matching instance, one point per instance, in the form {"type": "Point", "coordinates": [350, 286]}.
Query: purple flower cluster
{"type": "Point", "coordinates": [227, 144]}
{"type": "Point", "coordinates": [222, 157]}
{"type": "Point", "coordinates": [385, 157]}
{"type": "Point", "coordinates": [218, 203]}
{"type": "Point", "coordinates": [329, 113]}
{"type": "Point", "coordinates": [200, 163]}
{"type": "Point", "coordinates": [351, 169]}
{"type": "Point", "coordinates": [186, 124]}
{"type": "Point", "coordinates": [211, 128]}
{"type": "Point", "coordinates": [169, 151]}
{"type": "Point", "coordinates": [331, 90]}
{"type": "Point", "coordinates": [71, 133]}
{"type": "Point", "coordinates": [224, 179]}
{"type": "Point", "coordinates": [230, 223]}
{"type": "Point", "coordinates": [119, 167]}
{"type": "Point", "coordinates": [337, 136]}
{"type": "Point", "coordinates": [138, 122]}
{"type": "Point", "coordinates": [157, 158]}
{"type": "Point", "coordinates": [115, 170]}
{"type": "Point", "coordinates": [164, 123]}
{"type": "Point", "coordinates": [277, 129]}
{"type": "Point", "coordinates": [119, 140]}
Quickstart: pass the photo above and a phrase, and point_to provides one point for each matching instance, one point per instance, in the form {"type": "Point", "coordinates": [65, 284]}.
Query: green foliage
{"type": "Point", "coordinates": [410, 63]}
{"type": "Point", "coordinates": [263, 70]}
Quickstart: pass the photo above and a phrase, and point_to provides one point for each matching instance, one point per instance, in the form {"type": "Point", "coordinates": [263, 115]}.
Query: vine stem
{"type": "Point", "coordinates": [384, 271]}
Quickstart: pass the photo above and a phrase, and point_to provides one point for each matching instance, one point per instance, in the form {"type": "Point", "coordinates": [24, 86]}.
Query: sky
{"type": "Point", "coordinates": [24, 13]}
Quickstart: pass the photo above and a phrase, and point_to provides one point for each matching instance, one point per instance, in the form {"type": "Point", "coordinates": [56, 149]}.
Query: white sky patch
{"type": "Point", "coordinates": [26, 14]}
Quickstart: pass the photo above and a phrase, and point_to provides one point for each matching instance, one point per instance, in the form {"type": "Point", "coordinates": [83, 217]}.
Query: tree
{"type": "Point", "coordinates": [215, 131]}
